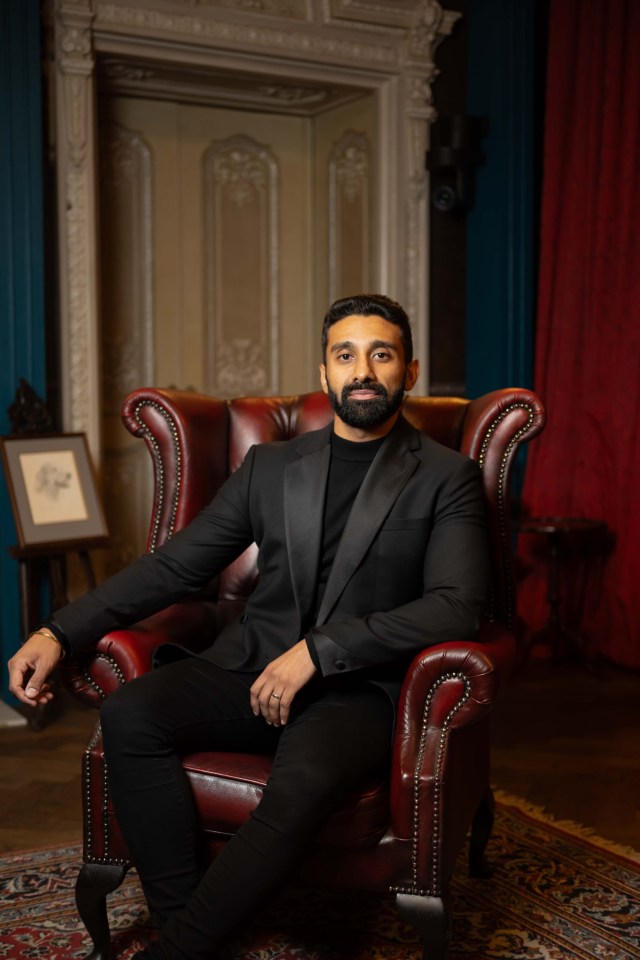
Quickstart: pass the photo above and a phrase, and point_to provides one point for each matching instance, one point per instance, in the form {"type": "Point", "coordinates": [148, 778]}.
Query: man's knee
{"type": "Point", "coordinates": [296, 795]}
{"type": "Point", "coordinates": [125, 716]}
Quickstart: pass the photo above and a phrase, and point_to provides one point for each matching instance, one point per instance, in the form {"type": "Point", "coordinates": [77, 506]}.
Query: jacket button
{"type": "Point", "coordinates": [244, 618]}
{"type": "Point", "coordinates": [339, 664]}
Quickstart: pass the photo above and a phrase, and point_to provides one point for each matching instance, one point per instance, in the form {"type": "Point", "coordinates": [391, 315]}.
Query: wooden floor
{"type": "Point", "coordinates": [565, 739]}
{"type": "Point", "coordinates": [568, 740]}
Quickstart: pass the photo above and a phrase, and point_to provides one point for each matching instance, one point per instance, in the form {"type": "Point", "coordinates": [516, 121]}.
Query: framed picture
{"type": "Point", "coordinates": [53, 490]}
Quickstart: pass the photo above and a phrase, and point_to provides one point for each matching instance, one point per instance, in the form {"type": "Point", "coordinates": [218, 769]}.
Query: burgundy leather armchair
{"type": "Point", "coordinates": [404, 833]}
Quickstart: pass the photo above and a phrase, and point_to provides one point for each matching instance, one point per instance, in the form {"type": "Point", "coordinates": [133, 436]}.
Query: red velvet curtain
{"type": "Point", "coordinates": [587, 461]}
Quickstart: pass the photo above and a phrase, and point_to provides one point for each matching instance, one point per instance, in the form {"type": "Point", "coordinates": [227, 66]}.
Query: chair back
{"type": "Point", "coordinates": [197, 441]}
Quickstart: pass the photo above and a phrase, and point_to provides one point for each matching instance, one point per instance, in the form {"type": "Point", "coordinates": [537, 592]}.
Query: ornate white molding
{"type": "Point", "coordinates": [205, 30]}
{"type": "Point", "coordinates": [77, 219]}
{"type": "Point", "coordinates": [296, 9]}
{"type": "Point", "coordinates": [232, 90]}
{"type": "Point", "coordinates": [77, 195]}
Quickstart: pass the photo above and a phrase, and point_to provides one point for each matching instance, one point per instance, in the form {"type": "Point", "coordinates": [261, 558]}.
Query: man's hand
{"type": "Point", "coordinates": [30, 667]}
{"type": "Point", "coordinates": [273, 692]}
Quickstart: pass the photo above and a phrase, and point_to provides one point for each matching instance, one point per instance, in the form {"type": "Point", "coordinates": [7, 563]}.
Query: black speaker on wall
{"type": "Point", "coordinates": [452, 158]}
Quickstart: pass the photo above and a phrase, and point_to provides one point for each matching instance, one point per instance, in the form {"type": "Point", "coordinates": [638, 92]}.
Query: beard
{"type": "Point", "coordinates": [364, 414]}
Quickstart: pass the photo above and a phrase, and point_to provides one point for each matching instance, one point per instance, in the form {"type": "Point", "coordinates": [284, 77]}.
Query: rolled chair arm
{"type": "Point", "coordinates": [187, 436]}
{"type": "Point", "coordinates": [442, 742]}
{"type": "Point", "coordinates": [122, 655]}
{"type": "Point", "coordinates": [448, 687]}
{"type": "Point", "coordinates": [495, 426]}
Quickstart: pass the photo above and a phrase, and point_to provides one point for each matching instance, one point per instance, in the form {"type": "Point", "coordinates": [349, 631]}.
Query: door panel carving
{"type": "Point", "coordinates": [349, 215]}
{"type": "Point", "coordinates": [127, 331]}
{"type": "Point", "coordinates": [242, 263]}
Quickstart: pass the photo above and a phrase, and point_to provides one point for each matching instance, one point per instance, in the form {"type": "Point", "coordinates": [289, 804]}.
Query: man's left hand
{"type": "Point", "coordinates": [273, 692]}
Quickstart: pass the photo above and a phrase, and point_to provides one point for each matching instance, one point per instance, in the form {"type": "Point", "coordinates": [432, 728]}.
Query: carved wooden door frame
{"type": "Point", "coordinates": [385, 47]}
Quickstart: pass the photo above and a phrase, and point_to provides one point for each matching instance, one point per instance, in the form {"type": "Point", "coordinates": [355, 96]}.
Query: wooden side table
{"type": "Point", "coordinates": [557, 532]}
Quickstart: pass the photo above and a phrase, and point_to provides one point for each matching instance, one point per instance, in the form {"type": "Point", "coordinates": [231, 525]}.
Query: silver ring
{"type": "Point", "coordinates": [276, 696]}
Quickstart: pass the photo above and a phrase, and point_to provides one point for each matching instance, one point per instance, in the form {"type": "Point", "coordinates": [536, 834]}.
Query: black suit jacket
{"type": "Point", "coordinates": [411, 568]}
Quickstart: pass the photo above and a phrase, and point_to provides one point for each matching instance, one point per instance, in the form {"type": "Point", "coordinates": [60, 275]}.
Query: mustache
{"type": "Point", "coordinates": [373, 387]}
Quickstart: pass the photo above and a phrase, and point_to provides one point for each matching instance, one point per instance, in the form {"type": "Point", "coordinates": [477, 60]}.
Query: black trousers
{"type": "Point", "coordinates": [339, 734]}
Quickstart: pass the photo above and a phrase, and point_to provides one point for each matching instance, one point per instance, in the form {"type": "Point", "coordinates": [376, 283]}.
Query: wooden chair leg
{"type": "Point", "coordinates": [430, 917]}
{"type": "Point", "coordinates": [481, 828]}
{"type": "Point", "coordinates": [95, 881]}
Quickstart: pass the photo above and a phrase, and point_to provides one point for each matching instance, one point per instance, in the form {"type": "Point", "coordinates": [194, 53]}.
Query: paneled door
{"type": "Point", "coordinates": [224, 233]}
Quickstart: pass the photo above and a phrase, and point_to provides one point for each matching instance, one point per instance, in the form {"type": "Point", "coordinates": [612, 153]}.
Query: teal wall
{"type": "Point", "coordinates": [22, 344]}
{"type": "Point", "coordinates": [501, 228]}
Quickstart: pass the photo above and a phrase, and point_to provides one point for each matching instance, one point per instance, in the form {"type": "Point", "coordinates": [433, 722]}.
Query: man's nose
{"type": "Point", "coordinates": [363, 370]}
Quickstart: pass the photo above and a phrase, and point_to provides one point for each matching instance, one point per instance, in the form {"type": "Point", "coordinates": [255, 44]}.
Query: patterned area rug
{"type": "Point", "coordinates": [556, 894]}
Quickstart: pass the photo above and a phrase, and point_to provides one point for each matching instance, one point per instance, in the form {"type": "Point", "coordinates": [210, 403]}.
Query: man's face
{"type": "Point", "coordinates": [365, 375]}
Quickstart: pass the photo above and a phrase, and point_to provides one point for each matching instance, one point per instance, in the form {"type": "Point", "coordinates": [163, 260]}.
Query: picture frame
{"type": "Point", "coordinates": [53, 491]}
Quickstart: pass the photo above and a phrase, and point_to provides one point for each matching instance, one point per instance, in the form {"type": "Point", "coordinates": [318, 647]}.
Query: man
{"type": "Point", "coordinates": [371, 545]}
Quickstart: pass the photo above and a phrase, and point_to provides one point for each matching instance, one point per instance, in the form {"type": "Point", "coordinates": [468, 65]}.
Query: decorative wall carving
{"type": "Point", "coordinates": [127, 300]}
{"type": "Point", "coordinates": [295, 9]}
{"type": "Point", "coordinates": [239, 170]}
{"type": "Point", "coordinates": [349, 221]}
{"type": "Point", "coordinates": [240, 192]}
{"type": "Point", "coordinates": [222, 88]}
{"type": "Point", "coordinates": [80, 300]}
{"type": "Point", "coordinates": [204, 30]}
{"type": "Point", "coordinates": [127, 343]}
{"type": "Point", "coordinates": [77, 218]}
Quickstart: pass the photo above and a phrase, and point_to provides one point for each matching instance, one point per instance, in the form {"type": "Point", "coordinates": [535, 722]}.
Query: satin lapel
{"type": "Point", "coordinates": [305, 483]}
{"type": "Point", "coordinates": [381, 487]}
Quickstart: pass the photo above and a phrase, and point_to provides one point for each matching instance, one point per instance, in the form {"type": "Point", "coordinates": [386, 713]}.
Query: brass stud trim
{"type": "Point", "coordinates": [434, 890]}
{"type": "Point", "coordinates": [87, 781]}
{"type": "Point", "coordinates": [159, 467]}
{"type": "Point", "coordinates": [503, 525]}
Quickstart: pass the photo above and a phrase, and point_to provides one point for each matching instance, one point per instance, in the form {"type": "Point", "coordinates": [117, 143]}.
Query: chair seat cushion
{"type": "Point", "coordinates": [227, 787]}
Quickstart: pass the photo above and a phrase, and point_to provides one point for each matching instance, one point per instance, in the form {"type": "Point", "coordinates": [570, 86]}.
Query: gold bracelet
{"type": "Point", "coordinates": [43, 632]}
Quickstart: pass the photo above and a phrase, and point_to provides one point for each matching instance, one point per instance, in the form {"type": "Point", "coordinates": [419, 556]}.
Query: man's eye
{"type": "Point", "coordinates": [344, 356]}
{"type": "Point", "coordinates": [381, 355]}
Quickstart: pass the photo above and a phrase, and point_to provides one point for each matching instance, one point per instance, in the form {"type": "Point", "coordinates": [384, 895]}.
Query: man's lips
{"type": "Point", "coordinates": [363, 394]}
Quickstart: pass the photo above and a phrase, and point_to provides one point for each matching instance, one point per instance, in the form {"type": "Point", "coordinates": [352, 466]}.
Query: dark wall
{"type": "Point", "coordinates": [483, 259]}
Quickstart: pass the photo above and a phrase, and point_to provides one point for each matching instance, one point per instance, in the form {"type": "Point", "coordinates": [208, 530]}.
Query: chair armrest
{"type": "Point", "coordinates": [187, 436]}
{"type": "Point", "coordinates": [441, 723]}
{"type": "Point", "coordinates": [122, 655]}
{"type": "Point", "coordinates": [495, 426]}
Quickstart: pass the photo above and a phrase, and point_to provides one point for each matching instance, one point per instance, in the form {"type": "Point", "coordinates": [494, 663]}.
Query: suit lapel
{"type": "Point", "coordinates": [385, 480]}
{"type": "Point", "coordinates": [305, 483]}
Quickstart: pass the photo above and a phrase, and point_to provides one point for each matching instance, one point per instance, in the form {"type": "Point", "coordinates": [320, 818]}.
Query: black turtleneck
{"type": "Point", "coordinates": [350, 461]}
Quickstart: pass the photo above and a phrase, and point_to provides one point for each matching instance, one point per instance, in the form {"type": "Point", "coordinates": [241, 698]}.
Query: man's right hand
{"type": "Point", "coordinates": [30, 667]}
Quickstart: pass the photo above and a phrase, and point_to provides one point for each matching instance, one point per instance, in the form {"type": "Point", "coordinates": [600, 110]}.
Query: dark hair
{"type": "Point", "coordinates": [367, 305]}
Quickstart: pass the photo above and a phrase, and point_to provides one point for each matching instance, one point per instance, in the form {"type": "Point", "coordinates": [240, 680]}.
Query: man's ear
{"type": "Point", "coordinates": [323, 378]}
{"type": "Point", "coordinates": [411, 375]}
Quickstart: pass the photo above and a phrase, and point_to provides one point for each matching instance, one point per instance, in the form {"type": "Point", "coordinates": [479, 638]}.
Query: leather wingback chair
{"type": "Point", "coordinates": [405, 832]}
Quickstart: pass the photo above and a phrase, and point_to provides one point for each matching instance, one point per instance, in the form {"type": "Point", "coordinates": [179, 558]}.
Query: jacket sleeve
{"type": "Point", "coordinates": [215, 537]}
{"type": "Point", "coordinates": [455, 588]}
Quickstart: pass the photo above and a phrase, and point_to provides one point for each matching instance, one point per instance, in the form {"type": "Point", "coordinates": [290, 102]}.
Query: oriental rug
{"type": "Point", "coordinates": [556, 893]}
